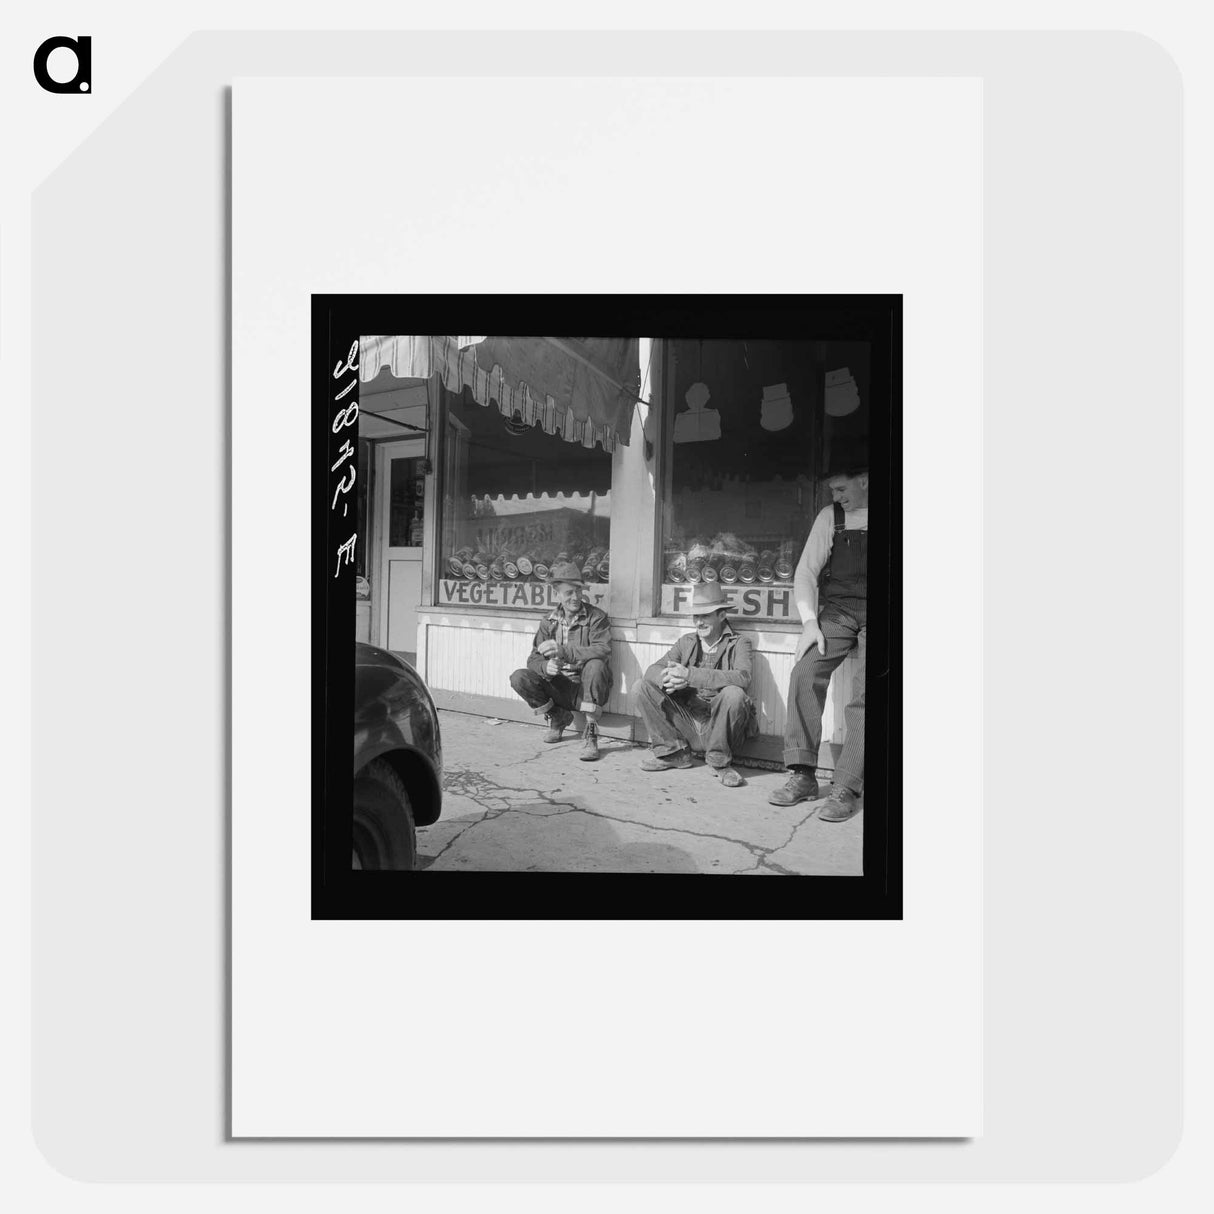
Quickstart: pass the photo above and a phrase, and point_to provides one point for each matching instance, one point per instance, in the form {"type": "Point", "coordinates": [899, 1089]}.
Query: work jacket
{"type": "Point", "coordinates": [589, 637]}
{"type": "Point", "coordinates": [708, 673]}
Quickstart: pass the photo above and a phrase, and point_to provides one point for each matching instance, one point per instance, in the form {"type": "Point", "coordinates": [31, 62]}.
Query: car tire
{"type": "Point", "coordinates": [384, 834]}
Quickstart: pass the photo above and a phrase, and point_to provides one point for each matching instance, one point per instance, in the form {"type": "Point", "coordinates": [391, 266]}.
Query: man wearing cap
{"type": "Point", "coordinates": [568, 667]}
{"type": "Point", "coordinates": [831, 591]}
{"type": "Point", "coordinates": [694, 699]}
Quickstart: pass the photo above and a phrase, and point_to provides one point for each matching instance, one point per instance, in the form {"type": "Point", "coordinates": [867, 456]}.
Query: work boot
{"type": "Point", "coordinates": [680, 759]}
{"type": "Point", "coordinates": [801, 786]}
{"type": "Point", "coordinates": [590, 743]}
{"type": "Point", "coordinates": [839, 806]}
{"type": "Point", "coordinates": [557, 719]}
{"type": "Point", "coordinates": [728, 777]}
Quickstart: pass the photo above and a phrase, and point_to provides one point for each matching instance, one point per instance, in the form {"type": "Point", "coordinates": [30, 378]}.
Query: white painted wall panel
{"type": "Point", "coordinates": [478, 661]}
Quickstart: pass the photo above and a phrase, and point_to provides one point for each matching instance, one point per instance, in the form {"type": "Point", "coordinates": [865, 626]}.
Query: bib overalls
{"type": "Point", "coordinates": [843, 619]}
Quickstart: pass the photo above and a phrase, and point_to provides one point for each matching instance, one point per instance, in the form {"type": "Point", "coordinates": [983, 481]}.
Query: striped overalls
{"type": "Point", "coordinates": [843, 619]}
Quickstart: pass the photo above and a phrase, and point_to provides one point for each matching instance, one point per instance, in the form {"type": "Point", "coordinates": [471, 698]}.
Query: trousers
{"type": "Point", "coordinates": [588, 695]}
{"type": "Point", "coordinates": [845, 630]}
{"type": "Point", "coordinates": [681, 719]}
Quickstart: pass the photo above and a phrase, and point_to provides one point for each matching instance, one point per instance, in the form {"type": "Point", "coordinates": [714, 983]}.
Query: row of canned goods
{"type": "Point", "coordinates": [745, 568]}
{"type": "Point", "coordinates": [532, 566]}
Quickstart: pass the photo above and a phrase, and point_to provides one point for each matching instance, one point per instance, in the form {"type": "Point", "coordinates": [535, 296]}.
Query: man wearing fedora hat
{"type": "Point", "coordinates": [569, 663]}
{"type": "Point", "coordinates": [694, 699]}
{"type": "Point", "coordinates": [831, 590]}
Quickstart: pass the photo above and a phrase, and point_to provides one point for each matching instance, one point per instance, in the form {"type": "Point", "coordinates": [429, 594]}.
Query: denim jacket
{"type": "Point", "coordinates": [707, 674]}
{"type": "Point", "coordinates": [589, 637]}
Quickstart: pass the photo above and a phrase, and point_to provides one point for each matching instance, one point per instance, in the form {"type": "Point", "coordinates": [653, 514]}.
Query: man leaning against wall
{"type": "Point", "coordinates": [831, 591]}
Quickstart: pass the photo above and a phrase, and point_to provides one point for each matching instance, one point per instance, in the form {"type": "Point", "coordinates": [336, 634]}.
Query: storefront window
{"type": "Point", "coordinates": [752, 429]}
{"type": "Point", "coordinates": [362, 487]}
{"type": "Point", "coordinates": [515, 501]}
{"type": "Point", "coordinates": [407, 496]}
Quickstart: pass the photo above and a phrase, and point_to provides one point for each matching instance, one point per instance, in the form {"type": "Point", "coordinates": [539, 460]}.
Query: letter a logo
{"type": "Point", "coordinates": [82, 48]}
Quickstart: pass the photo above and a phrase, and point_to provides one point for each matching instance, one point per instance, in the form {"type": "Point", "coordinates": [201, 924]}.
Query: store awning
{"type": "Point", "coordinates": [582, 388]}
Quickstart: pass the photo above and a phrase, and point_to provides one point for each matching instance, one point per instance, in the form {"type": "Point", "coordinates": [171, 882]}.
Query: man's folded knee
{"type": "Point", "coordinates": [520, 678]}
{"type": "Point", "coordinates": [594, 670]}
{"type": "Point", "coordinates": [596, 679]}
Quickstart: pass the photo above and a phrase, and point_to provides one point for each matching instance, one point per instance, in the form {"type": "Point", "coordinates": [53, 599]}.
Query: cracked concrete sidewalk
{"type": "Point", "coordinates": [513, 803]}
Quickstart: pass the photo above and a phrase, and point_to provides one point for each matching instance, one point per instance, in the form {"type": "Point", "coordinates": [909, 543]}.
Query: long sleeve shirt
{"type": "Point", "coordinates": [728, 665]}
{"type": "Point", "coordinates": [816, 553]}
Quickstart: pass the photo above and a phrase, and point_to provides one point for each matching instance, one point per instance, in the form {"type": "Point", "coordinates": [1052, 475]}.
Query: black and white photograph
{"type": "Point", "coordinates": [613, 603]}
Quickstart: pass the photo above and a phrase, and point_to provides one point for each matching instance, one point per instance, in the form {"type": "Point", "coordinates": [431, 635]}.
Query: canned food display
{"type": "Point", "coordinates": [731, 561]}
{"type": "Point", "coordinates": [590, 565]}
{"type": "Point", "coordinates": [524, 562]}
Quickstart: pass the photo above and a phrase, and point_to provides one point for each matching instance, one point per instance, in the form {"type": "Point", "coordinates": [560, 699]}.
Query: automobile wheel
{"type": "Point", "coordinates": [384, 834]}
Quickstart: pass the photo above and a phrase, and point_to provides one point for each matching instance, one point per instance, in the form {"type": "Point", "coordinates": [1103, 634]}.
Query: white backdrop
{"type": "Point", "coordinates": [614, 1029]}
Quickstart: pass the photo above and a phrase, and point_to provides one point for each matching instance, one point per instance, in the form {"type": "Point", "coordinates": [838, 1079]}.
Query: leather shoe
{"type": "Point", "coordinates": [728, 777]}
{"type": "Point", "coordinates": [557, 720]}
{"type": "Point", "coordinates": [801, 786]}
{"type": "Point", "coordinates": [590, 743]}
{"type": "Point", "coordinates": [839, 806]}
{"type": "Point", "coordinates": [680, 759]}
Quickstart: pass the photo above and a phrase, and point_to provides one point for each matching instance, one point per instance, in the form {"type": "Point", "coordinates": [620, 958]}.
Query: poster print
{"type": "Point", "coordinates": [605, 614]}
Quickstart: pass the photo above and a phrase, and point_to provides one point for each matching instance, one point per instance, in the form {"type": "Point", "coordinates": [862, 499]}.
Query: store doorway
{"type": "Point", "coordinates": [401, 481]}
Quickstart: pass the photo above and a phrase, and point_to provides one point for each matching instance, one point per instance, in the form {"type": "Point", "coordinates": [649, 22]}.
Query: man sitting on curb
{"type": "Point", "coordinates": [695, 698]}
{"type": "Point", "coordinates": [568, 667]}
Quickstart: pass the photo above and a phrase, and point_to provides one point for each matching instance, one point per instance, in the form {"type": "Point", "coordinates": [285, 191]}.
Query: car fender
{"type": "Point", "coordinates": [396, 720]}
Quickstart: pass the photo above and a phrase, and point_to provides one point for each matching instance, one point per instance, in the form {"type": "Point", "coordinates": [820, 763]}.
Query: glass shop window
{"type": "Point", "coordinates": [406, 503]}
{"type": "Point", "coordinates": [361, 490]}
{"type": "Point", "coordinates": [515, 501]}
{"type": "Point", "coordinates": [752, 430]}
